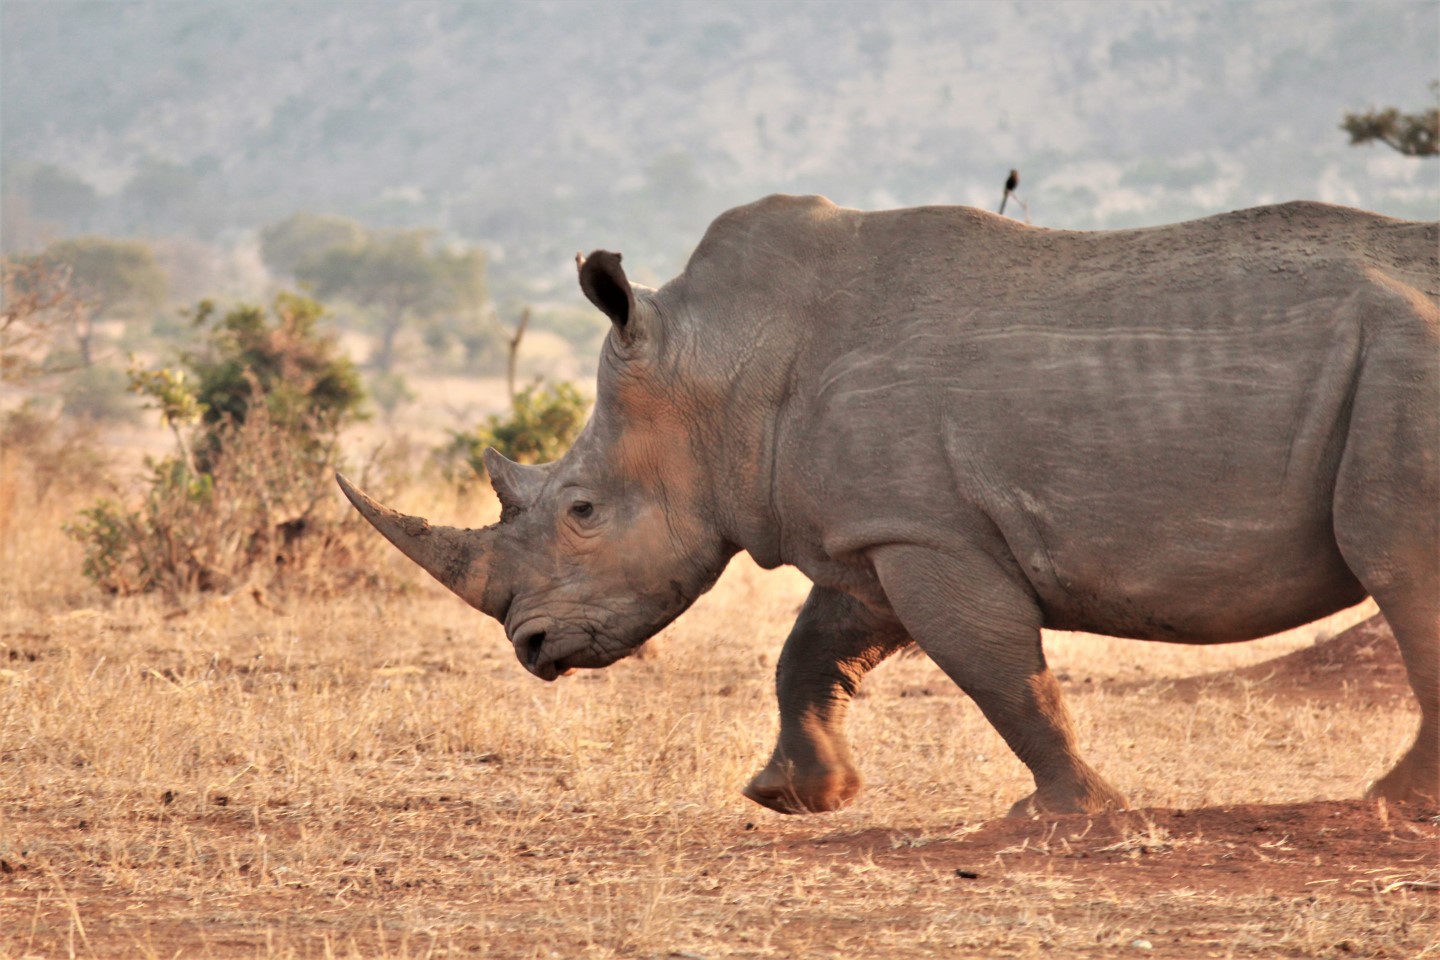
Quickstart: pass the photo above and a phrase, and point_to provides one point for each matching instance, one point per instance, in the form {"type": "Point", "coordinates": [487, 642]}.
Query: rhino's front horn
{"type": "Point", "coordinates": [457, 558]}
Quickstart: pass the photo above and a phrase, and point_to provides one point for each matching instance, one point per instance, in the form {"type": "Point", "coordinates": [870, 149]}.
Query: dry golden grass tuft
{"type": "Point", "coordinates": [374, 776]}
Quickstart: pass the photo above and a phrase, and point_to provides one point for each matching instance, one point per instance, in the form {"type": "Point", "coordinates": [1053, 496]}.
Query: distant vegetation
{"type": "Point", "coordinates": [256, 401]}
{"type": "Point", "coordinates": [541, 424]}
{"type": "Point", "coordinates": [76, 308]}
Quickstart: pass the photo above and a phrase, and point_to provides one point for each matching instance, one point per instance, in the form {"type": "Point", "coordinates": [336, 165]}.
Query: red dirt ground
{"type": "Point", "coordinates": [1193, 865]}
{"type": "Point", "coordinates": [1360, 852]}
{"type": "Point", "coordinates": [1357, 846]}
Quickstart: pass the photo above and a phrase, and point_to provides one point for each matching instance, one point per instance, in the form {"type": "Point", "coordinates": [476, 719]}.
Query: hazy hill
{"type": "Point", "coordinates": [540, 128]}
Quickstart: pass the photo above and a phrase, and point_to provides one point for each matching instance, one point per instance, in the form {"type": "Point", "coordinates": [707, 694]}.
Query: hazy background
{"type": "Point", "coordinates": [537, 128]}
{"type": "Point", "coordinates": [527, 131]}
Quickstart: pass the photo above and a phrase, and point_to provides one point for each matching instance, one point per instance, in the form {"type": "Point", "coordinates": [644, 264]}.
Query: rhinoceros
{"type": "Point", "coordinates": [962, 430]}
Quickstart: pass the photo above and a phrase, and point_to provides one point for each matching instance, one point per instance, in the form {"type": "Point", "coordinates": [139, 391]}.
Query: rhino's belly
{"type": "Point", "coordinates": [1193, 592]}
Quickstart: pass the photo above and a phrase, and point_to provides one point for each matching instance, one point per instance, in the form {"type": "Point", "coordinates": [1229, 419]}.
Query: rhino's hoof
{"type": "Point", "coordinates": [1097, 798]}
{"type": "Point", "coordinates": [1404, 785]}
{"type": "Point", "coordinates": [801, 794]}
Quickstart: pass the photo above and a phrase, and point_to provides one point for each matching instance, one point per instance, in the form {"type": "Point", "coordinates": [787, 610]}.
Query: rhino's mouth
{"type": "Point", "coordinates": [535, 662]}
{"type": "Point", "coordinates": [550, 647]}
{"type": "Point", "coordinates": [533, 648]}
{"type": "Point", "coordinates": [530, 649]}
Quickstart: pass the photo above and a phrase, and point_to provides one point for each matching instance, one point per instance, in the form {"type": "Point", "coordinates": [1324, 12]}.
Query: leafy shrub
{"type": "Point", "coordinates": [248, 497]}
{"type": "Point", "coordinates": [542, 423]}
{"type": "Point", "coordinates": [276, 360]}
{"type": "Point", "coordinates": [265, 515]}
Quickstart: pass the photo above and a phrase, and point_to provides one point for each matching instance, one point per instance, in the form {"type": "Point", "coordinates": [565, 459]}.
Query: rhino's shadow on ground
{"type": "Point", "coordinates": [1361, 664]}
{"type": "Point", "coordinates": [1359, 847]}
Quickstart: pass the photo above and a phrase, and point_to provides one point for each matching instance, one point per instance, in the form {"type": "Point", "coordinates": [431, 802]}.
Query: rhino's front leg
{"type": "Point", "coordinates": [981, 625]}
{"type": "Point", "coordinates": [835, 641]}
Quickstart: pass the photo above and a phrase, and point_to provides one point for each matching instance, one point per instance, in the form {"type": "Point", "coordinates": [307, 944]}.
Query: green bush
{"type": "Point", "coordinates": [542, 423]}
{"type": "Point", "coordinates": [276, 359]}
{"type": "Point", "coordinates": [248, 498]}
{"type": "Point", "coordinates": [264, 515]}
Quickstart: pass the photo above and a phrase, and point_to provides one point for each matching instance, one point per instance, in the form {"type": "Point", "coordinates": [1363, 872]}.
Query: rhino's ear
{"type": "Point", "coordinates": [515, 484]}
{"type": "Point", "coordinates": [604, 282]}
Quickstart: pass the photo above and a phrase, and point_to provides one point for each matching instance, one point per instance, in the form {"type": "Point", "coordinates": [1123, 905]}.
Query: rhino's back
{"type": "Point", "coordinates": [1120, 413]}
{"type": "Point", "coordinates": [855, 276]}
{"type": "Point", "coordinates": [1108, 279]}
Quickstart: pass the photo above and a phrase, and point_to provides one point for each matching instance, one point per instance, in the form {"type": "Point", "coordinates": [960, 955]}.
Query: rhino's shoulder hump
{"type": "Point", "coordinates": [1319, 212]}
{"type": "Point", "coordinates": [774, 224]}
{"type": "Point", "coordinates": [777, 211]}
{"type": "Point", "coordinates": [786, 204]}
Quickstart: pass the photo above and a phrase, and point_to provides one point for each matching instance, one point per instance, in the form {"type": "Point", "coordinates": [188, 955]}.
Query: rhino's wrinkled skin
{"type": "Point", "coordinates": [963, 429]}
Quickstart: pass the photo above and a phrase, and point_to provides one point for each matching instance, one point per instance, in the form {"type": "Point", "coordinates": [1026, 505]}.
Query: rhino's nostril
{"type": "Point", "coordinates": [532, 648]}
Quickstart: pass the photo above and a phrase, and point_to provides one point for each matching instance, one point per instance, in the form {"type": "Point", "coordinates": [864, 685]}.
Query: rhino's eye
{"type": "Point", "coordinates": [582, 509]}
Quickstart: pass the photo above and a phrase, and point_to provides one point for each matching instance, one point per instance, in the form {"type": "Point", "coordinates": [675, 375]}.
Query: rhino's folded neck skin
{"type": "Point", "coordinates": [733, 404]}
{"type": "Point", "coordinates": [652, 437]}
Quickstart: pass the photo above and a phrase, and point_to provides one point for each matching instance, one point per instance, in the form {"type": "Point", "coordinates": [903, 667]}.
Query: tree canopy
{"type": "Point", "coordinates": [299, 240]}
{"type": "Point", "coordinates": [1412, 134]}
{"type": "Point", "coordinates": [113, 279]}
{"type": "Point", "coordinates": [402, 275]}
{"type": "Point", "coordinates": [120, 277]}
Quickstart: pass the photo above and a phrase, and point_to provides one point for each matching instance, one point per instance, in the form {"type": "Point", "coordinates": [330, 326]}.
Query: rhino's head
{"type": "Point", "coordinates": [596, 552]}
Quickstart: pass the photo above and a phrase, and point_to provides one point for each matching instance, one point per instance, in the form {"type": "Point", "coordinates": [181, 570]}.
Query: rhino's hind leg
{"type": "Point", "coordinates": [1416, 776]}
{"type": "Point", "coordinates": [834, 643]}
{"type": "Point", "coordinates": [1400, 568]}
{"type": "Point", "coordinates": [983, 630]}
{"type": "Point", "coordinates": [1386, 521]}
{"type": "Point", "coordinates": [1411, 604]}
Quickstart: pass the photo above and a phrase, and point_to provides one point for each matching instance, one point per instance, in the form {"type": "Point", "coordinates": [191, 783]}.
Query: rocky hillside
{"type": "Point", "coordinates": [538, 128]}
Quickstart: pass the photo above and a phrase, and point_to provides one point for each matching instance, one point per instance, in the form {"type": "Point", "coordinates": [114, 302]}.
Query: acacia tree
{"type": "Point", "coordinates": [36, 304]}
{"type": "Point", "coordinates": [112, 278]}
{"type": "Point", "coordinates": [1412, 134]}
{"type": "Point", "coordinates": [303, 238]}
{"type": "Point", "coordinates": [402, 275]}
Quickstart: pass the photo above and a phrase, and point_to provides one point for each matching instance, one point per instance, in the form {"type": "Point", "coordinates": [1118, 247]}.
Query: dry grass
{"type": "Point", "coordinates": [376, 776]}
